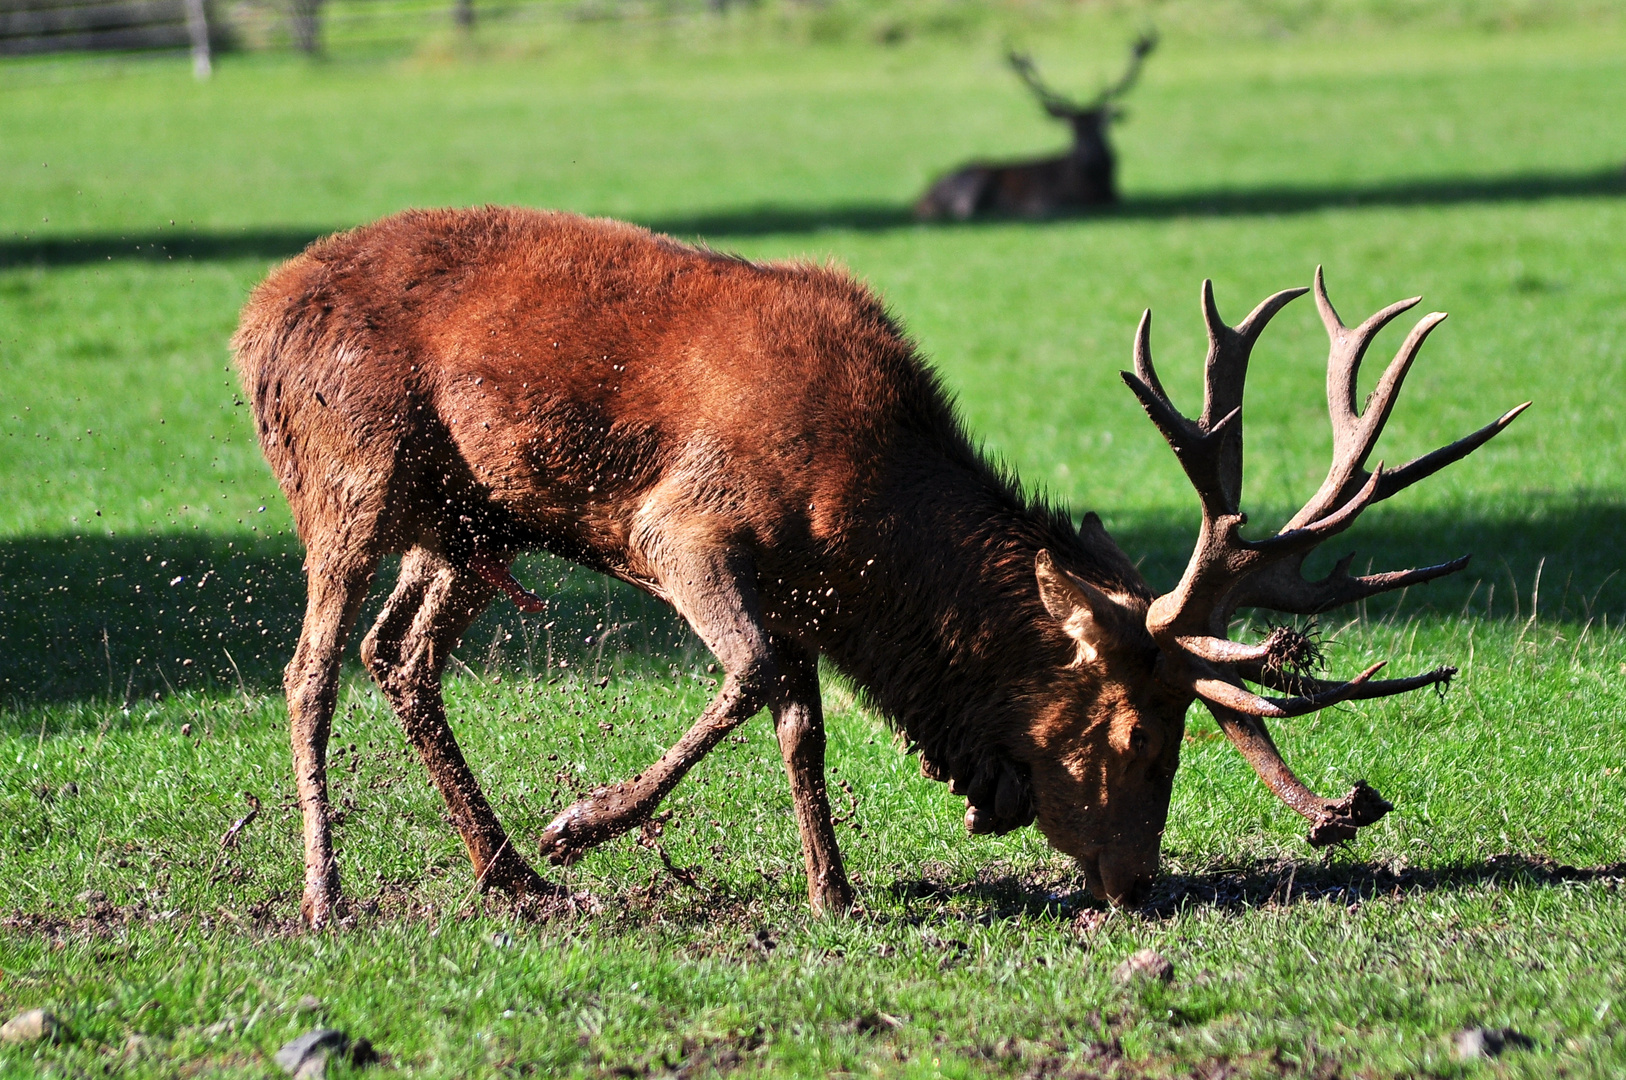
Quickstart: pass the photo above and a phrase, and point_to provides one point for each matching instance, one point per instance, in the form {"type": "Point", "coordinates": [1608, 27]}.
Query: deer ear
{"type": "Point", "coordinates": [1079, 606]}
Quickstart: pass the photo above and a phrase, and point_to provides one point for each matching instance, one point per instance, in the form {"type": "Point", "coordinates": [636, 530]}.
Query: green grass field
{"type": "Point", "coordinates": [150, 588]}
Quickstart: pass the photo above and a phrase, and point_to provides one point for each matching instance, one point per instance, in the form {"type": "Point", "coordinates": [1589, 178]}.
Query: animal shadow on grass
{"type": "Point", "coordinates": [1442, 191]}
{"type": "Point", "coordinates": [166, 245]}
{"type": "Point", "coordinates": [118, 619]}
{"type": "Point", "coordinates": [122, 619]}
{"type": "Point", "coordinates": [1281, 882]}
{"type": "Point", "coordinates": [998, 894]}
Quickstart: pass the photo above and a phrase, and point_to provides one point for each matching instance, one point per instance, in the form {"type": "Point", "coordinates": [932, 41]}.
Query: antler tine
{"type": "Point", "coordinates": [1353, 433]}
{"type": "Point", "coordinates": [1137, 56]}
{"type": "Point", "coordinates": [1283, 589]}
{"type": "Point", "coordinates": [1305, 686]}
{"type": "Point", "coordinates": [1054, 104]}
{"type": "Point", "coordinates": [1432, 462]}
{"type": "Point", "coordinates": [1306, 537]}
{"type": "Point", "coordinates": [1330, 820]}
{"type": "Point", "coordinates": [1254, 325]}
{"type": "Point", "coordinates": [1193, 443]}
{"type": "Point", "coordinates": [1225, 375]}
{"type": "Point", "coordinates": [1176, 429]}
{"type": "Point", "coordinates": [1232, 696]}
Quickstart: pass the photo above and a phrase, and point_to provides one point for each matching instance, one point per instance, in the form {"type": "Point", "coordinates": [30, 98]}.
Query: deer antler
{"type": "Point", "coordinates": [1054, 103]}
{"type": "Point", "coordinates": [1227, 572]}
{"type": "Point", "coordinates": [1063, 108]}
{"type": "Point", "coordinates": [1137, 56]}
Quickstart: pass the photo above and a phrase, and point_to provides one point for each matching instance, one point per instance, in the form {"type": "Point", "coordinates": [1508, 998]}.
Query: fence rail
{"type": "Point", "coordinates": [42, 26]}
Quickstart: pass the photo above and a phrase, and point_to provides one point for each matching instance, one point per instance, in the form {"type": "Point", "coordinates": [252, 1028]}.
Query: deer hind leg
{"type": "Point", "coordinates": [799, 723]}
{"type": "Point", "coordinates": [335, 591]}
{"type": "Point", "coordinates": [406, 652]}
{"type": "Point", "coordinates": [715, 590]}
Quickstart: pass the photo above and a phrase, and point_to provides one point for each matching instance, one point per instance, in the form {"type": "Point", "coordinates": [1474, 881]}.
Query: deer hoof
{"type": "Point", "coordinates": [318, 908]}
{"type": "Point", "coordinates": [513, 875]}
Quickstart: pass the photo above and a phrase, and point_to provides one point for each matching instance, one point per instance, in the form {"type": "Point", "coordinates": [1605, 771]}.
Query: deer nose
{"type": "Point", "coordinates": [1124, 879]}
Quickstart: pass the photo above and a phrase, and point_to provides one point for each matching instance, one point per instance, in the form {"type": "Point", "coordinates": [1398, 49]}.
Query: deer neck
{"type": "Point", "coordinates": [946, 634]}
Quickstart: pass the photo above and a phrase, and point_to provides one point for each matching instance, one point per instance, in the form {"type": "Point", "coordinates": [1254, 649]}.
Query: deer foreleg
{"type": "Point", "coordinates": [611, 811]}
{"type": "Point", "coordinates": [799, 723]}
{"type": "Point", "coordinates": [714, 588]}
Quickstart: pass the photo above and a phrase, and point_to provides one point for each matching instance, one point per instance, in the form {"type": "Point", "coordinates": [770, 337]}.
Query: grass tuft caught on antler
{"type": "Point", "coordinates": [1294, 651]}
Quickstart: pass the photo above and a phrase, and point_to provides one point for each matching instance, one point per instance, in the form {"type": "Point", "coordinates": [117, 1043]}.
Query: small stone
{"type": "Point", "coordinates": [1479, 1043]}
{"type": "Point", "coordinates": [227, 1026]}
{"type": "Point", "coordinates": [316, 1044]}
{"type": "Point", "coordinates": [35, 1025]}
{"type": "Point", "coordinates": [1146, 964]}
{"type": "Point", "coordinates": [312, 1068]}
{"type": "Point", "coordinates": [308, 1003]}
{"type": "Point", "coordinates": [306, 1057]}
{"type": "Point", "coordinates": [186, 730]}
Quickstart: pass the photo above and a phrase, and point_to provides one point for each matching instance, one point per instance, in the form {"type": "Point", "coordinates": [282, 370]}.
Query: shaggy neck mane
{"type": "Point", "coordinates": [950, 641]}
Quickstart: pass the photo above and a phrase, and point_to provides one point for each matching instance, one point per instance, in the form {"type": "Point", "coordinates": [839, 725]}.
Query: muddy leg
{"type": "Point", "coordinates": [799, 723]}
{"type": "Point", "coordinates": [715, 590]}
{"type": "Point", "coordinates": [311, 682]}
{"type": "Point", "coordinates": [407, 661]}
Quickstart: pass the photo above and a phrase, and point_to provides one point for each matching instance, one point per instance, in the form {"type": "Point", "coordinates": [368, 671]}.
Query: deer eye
{"type": "Point", "coordinates": [1138, 741]}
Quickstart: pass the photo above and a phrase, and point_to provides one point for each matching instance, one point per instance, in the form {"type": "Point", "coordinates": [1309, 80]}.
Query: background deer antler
{"type": "Point", "coordinates": [1054, 103]}
{"type": "Point", "coordinates": [1057, 105]}
{"type": "Point", "coordinates": [1190, 624]}
{"type": "Point", "coordinates": [1138, 52]}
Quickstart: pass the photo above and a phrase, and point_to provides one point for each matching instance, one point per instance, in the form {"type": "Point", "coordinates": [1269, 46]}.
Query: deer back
{"type": "Point", "coordinates": [563, 371]}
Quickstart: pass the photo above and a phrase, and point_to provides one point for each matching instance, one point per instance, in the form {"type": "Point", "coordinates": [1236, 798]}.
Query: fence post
{"type": "Point", "coordinates": [306, 16]}
{"type": "Point", "coordinates": [197, 28]}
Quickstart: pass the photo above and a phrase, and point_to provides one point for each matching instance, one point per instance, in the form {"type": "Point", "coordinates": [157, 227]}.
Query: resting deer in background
{"type": "Point", "coordinates": [1084, 176]}
{"type": "Point", "coordinates": [760, 446]}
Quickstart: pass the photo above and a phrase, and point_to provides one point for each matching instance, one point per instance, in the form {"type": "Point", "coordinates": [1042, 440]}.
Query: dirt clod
{"type": "Point", "coordinates": [35, 1025]}
{"type": "Point", "coordinates": [874, 1022]}
{"type": "Point", "coordinates": [1145, 964]}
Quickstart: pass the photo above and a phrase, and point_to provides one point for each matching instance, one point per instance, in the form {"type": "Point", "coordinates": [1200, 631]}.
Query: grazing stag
{"type": "Point", "coordinates": [1084, 176]}
{"type": "Point", "coordinates": [761, 446]}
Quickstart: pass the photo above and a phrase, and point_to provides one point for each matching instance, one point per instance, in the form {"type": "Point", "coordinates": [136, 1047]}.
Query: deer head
{"type": "Point", "coordinates": [1107, 756]}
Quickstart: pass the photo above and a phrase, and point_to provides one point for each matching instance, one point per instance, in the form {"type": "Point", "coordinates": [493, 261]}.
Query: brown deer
{"type": "Point", "coordinates": [761, 446]}
{"type": "Point", "coordinates": [1084, 176]}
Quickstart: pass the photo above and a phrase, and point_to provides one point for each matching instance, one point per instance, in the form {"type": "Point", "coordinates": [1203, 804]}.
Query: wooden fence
{"type": "Point", "coordinates": [42, 26]}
